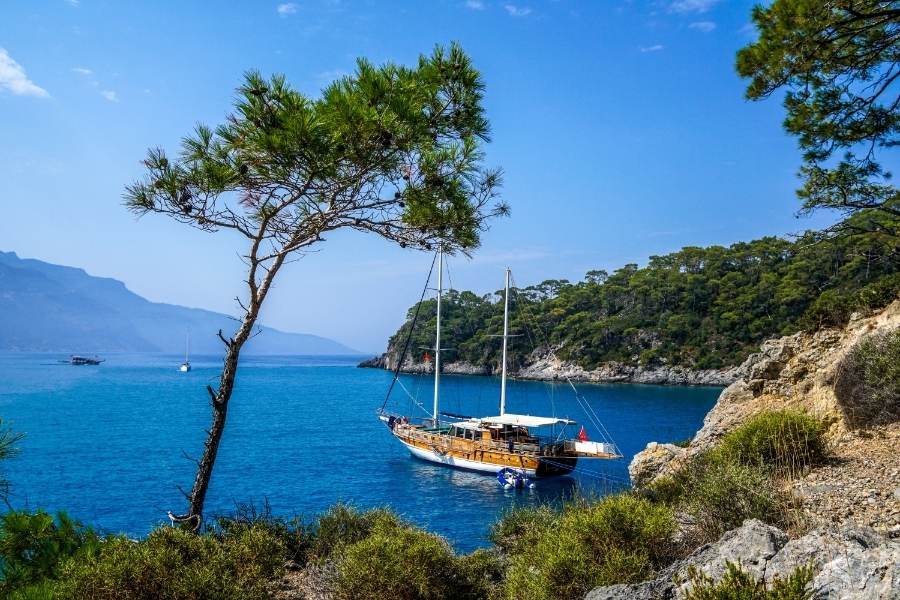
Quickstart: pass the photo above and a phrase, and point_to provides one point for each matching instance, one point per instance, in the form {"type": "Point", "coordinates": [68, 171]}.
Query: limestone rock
{"type": "Point", "coordinates": [848, 562]}
{"type": "Point", "coordinates": [649, 590]}
{"type": "Point", "coordinates": [653, 461]}
{"type": "Point", "coordinates": [751, 546]}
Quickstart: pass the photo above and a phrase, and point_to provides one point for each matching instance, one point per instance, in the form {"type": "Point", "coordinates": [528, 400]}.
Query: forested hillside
{"type": "Point", "coordinates": [699, 307]}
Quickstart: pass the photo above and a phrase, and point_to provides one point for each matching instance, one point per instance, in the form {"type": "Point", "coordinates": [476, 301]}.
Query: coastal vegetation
{"type": "Point", "coordinates": [297, 166]}
{"type": "Point", "coordinates": [702, 308]}
{"type": "Point", "coordinates": [618, 539]}
{"type": "Point", "coordinates": [389, 150]}
{"type": "Point", "coordinates": [742, 477]}
{"type": "Point", "coordinates": [542, 552]}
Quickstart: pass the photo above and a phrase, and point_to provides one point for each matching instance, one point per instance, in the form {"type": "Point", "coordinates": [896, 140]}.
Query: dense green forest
{"type": "Point", "coordinates": [698, 307]}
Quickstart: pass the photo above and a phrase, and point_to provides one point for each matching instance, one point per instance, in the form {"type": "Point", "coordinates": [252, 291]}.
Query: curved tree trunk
{"type": "Point", "coordinates": [220, 398]}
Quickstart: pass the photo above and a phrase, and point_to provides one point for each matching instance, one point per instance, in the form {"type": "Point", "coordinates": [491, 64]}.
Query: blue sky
{"type": "Point", "coordinates": [621, 127]}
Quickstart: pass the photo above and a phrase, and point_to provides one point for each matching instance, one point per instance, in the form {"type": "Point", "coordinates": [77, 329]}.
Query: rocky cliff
{"type": "Point", "coordinates": [852, 503]}
{"type": "Point", "coordinates": [807, 371]}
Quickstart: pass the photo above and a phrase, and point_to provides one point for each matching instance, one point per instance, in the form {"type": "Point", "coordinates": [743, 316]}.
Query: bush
{"type": "Point", "coordinates": [8, 441]}
{"type": "Point", "coordinates": [298, 539]}
{"type": "Point", "coordinates": [521, 528]}
{"type": "Point", "coordinates": [343, 525]}
{"type": "Point", "coordinates": [620, 539]}
{"type": "Point", "coordinates": [740, 585]}
{"type": "Point", "coordinates": [172, 563]}
{"type": "Point", "coordinates": [784, 442]}
{"type": "Point", "coordinates": [401, 563]}
{"type": "Point", "coordinates": [668, 489]}
{"type": "Point", "coordinates": [868, 381]}
{"type": "Point", "coordinates": [33, 547]}
{"type": "Point", "coordinates": [720, 495]}
{"type": "Point", "coordinates": [481, 573]}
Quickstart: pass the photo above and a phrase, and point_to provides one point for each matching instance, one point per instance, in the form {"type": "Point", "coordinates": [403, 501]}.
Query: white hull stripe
{"type": "Point", "coordinates": [460, 463]}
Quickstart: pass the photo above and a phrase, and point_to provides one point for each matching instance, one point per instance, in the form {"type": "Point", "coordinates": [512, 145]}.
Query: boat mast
{"type": "Point", "coordinates": [505, 336]}
{"type": "Point", "coordinates": [187, 346]}
{"type": "Point", "coordinates": [437, 336]}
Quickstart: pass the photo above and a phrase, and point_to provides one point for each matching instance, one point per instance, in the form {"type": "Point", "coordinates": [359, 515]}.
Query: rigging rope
{"type": "Point", "coordinates": [589, 411]}
{"type": "Point", "coordinates": [412, 328]}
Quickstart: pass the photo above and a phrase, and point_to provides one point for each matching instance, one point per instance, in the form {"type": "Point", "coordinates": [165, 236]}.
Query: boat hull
{"type": "Point", "coordinates": [542, 467]}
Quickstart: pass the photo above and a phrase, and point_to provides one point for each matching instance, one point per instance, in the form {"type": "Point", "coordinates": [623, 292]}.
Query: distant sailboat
{"type": "Point", "coordinates": [186, 365]}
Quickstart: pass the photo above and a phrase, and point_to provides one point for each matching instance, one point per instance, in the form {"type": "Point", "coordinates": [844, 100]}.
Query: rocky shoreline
{"type": "Point", "coordinates": [548, 367]}
{"type": "Point", "coordinates": [861, 483]}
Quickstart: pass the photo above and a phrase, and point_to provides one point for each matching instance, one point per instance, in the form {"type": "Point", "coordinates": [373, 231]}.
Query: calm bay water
{"type": "Point", "coordinates": [105, 443]}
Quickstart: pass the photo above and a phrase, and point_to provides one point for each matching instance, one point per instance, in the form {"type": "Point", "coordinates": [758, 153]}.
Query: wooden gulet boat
{"type": "Point", "coordinates": [491, 444]}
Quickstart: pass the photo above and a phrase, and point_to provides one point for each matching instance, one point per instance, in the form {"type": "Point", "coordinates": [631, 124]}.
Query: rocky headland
{"type": "Point", "coordinates": [806, 371]}
{"type": "Point", "coordinates": [850, 505]}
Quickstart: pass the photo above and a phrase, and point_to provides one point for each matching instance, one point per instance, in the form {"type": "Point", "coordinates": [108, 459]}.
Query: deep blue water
{"type": "Point", "coordinates": [105, 443]}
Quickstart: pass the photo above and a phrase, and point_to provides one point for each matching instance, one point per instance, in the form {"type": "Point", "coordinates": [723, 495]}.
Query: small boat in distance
{"type": "Point", "coordinates": [84, 360]}
{"type": "Point", "coordinates": [186, 365]}
{"type": "Point", "coordinates": [506, 444]}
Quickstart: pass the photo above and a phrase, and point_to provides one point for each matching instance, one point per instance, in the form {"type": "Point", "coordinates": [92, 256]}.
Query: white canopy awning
{"type": "Point", "coordinates": [525, 420]}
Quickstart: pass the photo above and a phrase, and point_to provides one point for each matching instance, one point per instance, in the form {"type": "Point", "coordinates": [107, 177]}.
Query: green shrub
{"type": "Point", "coordinates": [737, 584]}
{"type": "Point", "coordinates": [172, 563]}
{"type": "Point", "coordinates": [342, 525]}
{"type": "Point", "coordinates": [298, 538]}
{"type": "Point", "coordinates": [481, 574]}
{"type": "Point", "coordinates": [33, 546]}
{"type": "Point", "coordinates": [522, 527]}
{"type": "Point", "coordinates": [785, 442]}
{"type": "Point", "coordinates": [45, 590]}
{"type": "Point", "coordinates": [720, 495]}
{"type": "Point", "coordinates": [868, 380]}
{"type": "Point", "coordinates": [668, 489]}
{"type": "Point", "coordinates": [620, 539]}
{"type": "Point", "coordinates": [401, 563]}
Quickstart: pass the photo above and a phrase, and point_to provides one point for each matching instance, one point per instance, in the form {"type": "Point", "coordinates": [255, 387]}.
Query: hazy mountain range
{"type": "Point", "coordinates": [52, 308]}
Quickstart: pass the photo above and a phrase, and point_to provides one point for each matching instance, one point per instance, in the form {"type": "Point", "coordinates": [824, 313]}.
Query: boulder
{"type": "Point", "coordinates": [652, 462]}
{"type": "Point", "coordinates": [751, 546]}
{"type": "Point", "coordinates": [648, 590]}
{"type": "Point", "coordinates": [848, 562]}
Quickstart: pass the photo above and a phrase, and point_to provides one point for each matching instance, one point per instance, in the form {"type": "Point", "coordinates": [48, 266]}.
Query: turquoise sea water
{"type": "Point", "coordinates": [105, 443]}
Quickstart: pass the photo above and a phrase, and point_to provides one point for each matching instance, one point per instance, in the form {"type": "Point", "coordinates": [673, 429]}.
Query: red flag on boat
{"type": "Point", "coordinates": [427, 357]}
{"type": "Point", "coordinates": [582, 435]}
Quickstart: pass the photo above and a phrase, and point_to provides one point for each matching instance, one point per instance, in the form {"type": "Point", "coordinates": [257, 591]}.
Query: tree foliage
{"type": "Point", "coordinates": [390, 150]}
{"type": "Point", "coordinates": [698, 307]}
{"type": "Point", "coordinates": [838, 62]}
